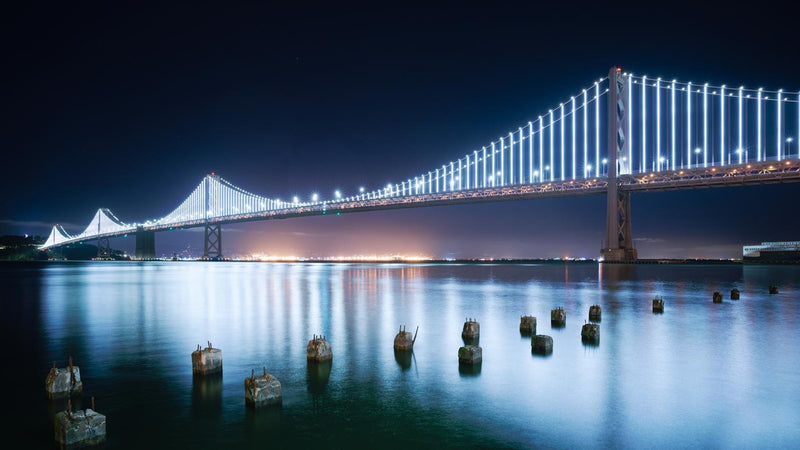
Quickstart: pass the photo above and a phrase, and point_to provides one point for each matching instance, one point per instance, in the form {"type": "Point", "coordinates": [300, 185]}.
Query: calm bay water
{"type": "Point", "coordinates": [699, 375]}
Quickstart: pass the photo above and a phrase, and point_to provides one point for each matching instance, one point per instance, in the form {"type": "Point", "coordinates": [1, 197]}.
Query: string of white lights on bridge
{"type": "Point", "coordinates": [672, 126]}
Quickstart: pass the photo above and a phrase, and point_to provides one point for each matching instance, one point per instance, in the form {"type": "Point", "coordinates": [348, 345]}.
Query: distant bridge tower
{"type": "Point", "coordinates": [103, 248]}
{"type": "Point", "coordinates": [212, 245]}
{"type": "Point", "coordinates": [619, 241]}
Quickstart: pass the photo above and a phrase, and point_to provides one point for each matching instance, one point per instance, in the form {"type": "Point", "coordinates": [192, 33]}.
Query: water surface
{"type": "Point", "coordinates": [698, 375]}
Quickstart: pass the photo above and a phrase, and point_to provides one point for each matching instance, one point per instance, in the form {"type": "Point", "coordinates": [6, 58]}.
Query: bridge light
{"type": "Point", "coordinates": [337, 194]}
{"type": "Point", "coordinates": [361, 189]}
{"type": "Point", "coordinates": [314, 197]}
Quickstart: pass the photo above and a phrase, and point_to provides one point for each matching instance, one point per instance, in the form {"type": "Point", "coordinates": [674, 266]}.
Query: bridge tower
{"type": "Point", "coordinates": [619, 241]}
{"type": "Point", "coordinates": [212, 245]}
{"type": "Point", "coordinates": [145, 244]}
{"type": "Point", "coordinates": [212, 248]}
{"type": "Point", "coordinates": [103, 246]}
{"type": "Point", "coordinates": [103, 249]}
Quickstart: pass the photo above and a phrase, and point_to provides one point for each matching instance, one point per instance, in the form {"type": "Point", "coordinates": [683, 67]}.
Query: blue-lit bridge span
{"type": "Point", "coordinates": [652, 135]}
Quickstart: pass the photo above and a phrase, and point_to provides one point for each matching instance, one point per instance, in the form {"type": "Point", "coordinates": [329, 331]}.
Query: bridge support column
{"type": "Point", "coordinates": [145, 244]}
{"type": "Point", "coordinates": [619, 241]}
{"type": "Point", "coordinates": [103, 249]}
{"type": "Point", "coordinates": [212, 248]}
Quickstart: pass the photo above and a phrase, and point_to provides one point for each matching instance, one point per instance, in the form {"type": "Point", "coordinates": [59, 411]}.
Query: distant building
{"type": "Point", "coordinates": [773, 251]}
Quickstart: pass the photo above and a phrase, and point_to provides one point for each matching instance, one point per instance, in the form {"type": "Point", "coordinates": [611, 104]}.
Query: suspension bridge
{"type": "Point", "coordinates": [622, 133]}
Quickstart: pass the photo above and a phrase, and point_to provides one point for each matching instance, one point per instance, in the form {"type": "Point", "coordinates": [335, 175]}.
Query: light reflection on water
{"type": "Point", "coordinates": [698, 375]}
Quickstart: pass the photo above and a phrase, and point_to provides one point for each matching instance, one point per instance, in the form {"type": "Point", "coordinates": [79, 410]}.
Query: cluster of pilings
{"type": "Point", "coordinates": [716, 297]}
{"type": "Point", "coordinates": [73, 428]}
{"type": "Point", "coordinates": [265, 389]}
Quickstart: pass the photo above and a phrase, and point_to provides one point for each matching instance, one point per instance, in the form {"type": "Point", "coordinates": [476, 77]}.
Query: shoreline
{"type": "Point", "coordinates": [510, 261]}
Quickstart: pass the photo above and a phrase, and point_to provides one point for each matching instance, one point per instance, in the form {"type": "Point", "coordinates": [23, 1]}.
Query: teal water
{"type": "Point", "coordinates": [700, 375]}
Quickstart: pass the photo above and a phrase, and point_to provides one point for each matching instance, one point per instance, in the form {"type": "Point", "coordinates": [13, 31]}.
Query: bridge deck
{"type": "Point", "coordinates": [718, 176]}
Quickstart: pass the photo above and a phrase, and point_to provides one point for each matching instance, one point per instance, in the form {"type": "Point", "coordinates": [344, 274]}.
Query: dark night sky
{"type": "Point", "coordinates": [128, 107]}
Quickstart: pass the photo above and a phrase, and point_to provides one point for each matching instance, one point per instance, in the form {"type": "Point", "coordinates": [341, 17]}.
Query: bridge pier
{"type": "Point", "coordinates": [212, 247]}
{"type": "Point", "coordinates": [145, 244]}
{"type": "Point", "coordinates": [619, 241]}
{"type": "Point", "coordinates": [103, 249]}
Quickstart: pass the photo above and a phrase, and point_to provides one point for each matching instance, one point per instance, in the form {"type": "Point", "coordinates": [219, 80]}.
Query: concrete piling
{"type": "Point", "coordinates": [542, 344]}
{"type": "Point", "coordinates": [527, 325]}
{"type": "Point", "coordinates": [590, 332]}
{"type": "Point", "coordinates": [470, 355]}
{"type": "Point", "coordinates": [558, 317]}
{"type": "Point", "coordinates": [471, 333]}
{"type": "Point", "coordinates": [318, 349]}
{"type": "Point", "coordinates": [63, 382]}
{"type": "Point", "coordinates": [404, 341]}
{"type": "Point", "coordinates": [717, 297]}
{"type": "Point", "coordinates": [594, 313]}
{"type": "Point", "coordinates": [206, 361]}
{"type": "Point", "coordinates": [262, 390]}
{"type": "Point", "coordinates": [80, 428]}
{"type": "Point", "coordinates": [734, 294]}
{"type": "Point", "coordinates": [773, 289]}
{"type": "Point", "coordinates": [658, 305]}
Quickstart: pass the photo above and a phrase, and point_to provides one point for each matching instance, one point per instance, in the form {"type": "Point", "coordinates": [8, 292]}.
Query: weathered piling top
{"type": "Point", "coordinates": [207, 360]}
{"type": "Point", "coordinates": [73, 428]}
{"type": "Point", "coordinates": [63, 382]}
{"type": "Point", "coordinates": [404, 340]}
{"type": "Point", "coordinates": [558, 316]}
{"type": "Point", "coordinates": [590, 331]}
{"type": "Point", "coordinates": [318, 349]}
{"type": "Point", "coordinates": [264, 389]}
{"type": "Point", "coordinates": [527, 324]}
